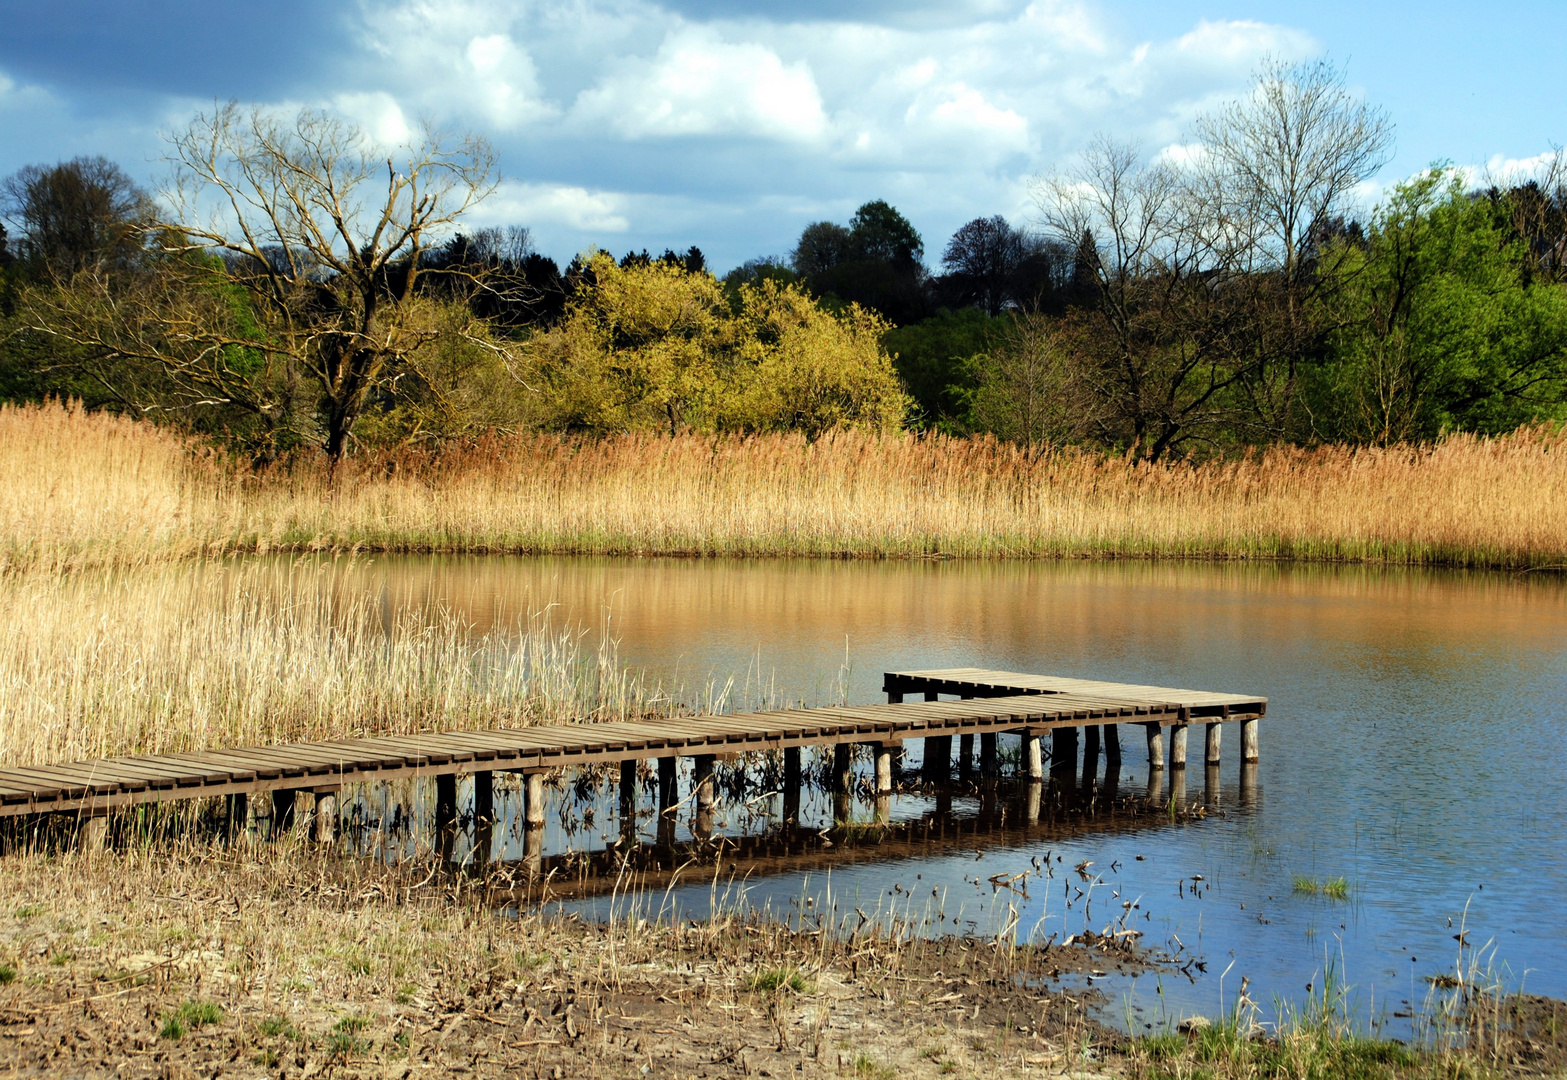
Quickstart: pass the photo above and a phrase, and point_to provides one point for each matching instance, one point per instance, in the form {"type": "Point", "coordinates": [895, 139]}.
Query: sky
{"type": "Point", "coordinates": [732, 124]}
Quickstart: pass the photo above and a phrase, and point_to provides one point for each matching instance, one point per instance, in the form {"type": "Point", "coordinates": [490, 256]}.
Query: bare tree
{"type": "Point", "coordinates": [1150, 347]}
{"type": "Point", "coordinates": [1287, 157]}
{"type": "Point", "coordinates": [323, 232]}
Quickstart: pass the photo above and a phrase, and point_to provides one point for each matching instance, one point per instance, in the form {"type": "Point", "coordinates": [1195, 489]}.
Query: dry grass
{"type": "Point", "coordinates": [84, 489]}
{"type": "Point", "coordinates": [169, 659]}
{"type": "Point", "coordinates": [275, 961]}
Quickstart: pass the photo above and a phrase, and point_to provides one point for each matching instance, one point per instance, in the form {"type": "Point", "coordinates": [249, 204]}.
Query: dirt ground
{"type": "Point", "coordinates": [140, 965]}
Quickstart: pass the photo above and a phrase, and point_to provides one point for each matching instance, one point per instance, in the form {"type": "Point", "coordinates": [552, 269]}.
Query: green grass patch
{"type": "Point", "coordinates": [868, 1068]}
{"type": "Point", "coordinates": [1335, 888]}
{"type": "Point", "coordinates": [275, 1026]}
{"type": "Point", "coordinates": [776, 979]}
{"type": "Point", "coordinates": [7, 974]}
{"type": "Point", "coordinates": [189, 1017]}
{"type": "Point", "coordinates": [28, 911]}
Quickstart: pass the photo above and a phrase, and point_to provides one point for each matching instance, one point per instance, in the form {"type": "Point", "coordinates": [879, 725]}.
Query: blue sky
{"type": "Point", "coordinates": [629, 123]}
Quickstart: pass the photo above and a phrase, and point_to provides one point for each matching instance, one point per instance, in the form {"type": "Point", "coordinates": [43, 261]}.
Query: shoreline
{"type": "Point", "coordinates": [288, 962]}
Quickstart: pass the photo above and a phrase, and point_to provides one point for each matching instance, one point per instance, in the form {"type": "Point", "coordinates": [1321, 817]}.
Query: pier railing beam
{"type": "Point", "coordinates": [1211, 747]}
{"type": "Point", "coordinates": [1155, 747]}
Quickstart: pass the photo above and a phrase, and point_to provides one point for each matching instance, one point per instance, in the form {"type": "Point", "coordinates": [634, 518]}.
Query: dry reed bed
{"type": "Point", "coordinates": [170, 659]}
{"type": "Point", "coordinates": [83, 489]}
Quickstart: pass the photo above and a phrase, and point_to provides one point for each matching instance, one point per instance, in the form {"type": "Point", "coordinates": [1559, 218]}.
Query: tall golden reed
{"type": "Point", "coordinates": [171, 659]}
{"type": "Point", "coordinates": [82, 489]}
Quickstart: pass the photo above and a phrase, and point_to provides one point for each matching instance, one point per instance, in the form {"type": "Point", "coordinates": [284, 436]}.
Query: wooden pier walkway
{"type": "Point", "coordinates": [991, 703]}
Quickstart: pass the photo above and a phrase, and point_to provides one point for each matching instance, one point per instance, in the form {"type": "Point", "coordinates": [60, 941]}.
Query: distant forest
{"type": "Point", "coordinates": [294, 289]}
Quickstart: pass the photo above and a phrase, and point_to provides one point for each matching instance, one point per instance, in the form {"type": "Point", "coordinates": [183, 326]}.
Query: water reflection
{"type": "Point", "coordinates": [1411, 746]}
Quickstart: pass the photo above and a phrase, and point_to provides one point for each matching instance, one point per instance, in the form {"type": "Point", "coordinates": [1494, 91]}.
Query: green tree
{"type": "Point", "coordinates": [1440, 326]}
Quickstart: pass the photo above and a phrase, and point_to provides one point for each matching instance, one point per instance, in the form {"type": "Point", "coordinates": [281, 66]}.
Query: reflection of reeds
{"type": "Point", "coordinates": [86, 489]}
{"type": "Point", "coordinates": [170, 660]}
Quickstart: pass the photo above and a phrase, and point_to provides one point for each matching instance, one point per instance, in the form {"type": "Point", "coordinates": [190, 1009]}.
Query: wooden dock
{"type": "Point", "coordinates": [990, 703]}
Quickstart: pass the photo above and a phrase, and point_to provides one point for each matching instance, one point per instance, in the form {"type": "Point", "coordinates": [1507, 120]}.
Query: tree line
{"type": "Point", "coordinates": [294, 287]}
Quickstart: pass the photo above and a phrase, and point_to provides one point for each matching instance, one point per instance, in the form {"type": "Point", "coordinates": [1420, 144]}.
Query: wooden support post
{"type": "Point", "coordinates": [1248, 785]}
{"type": "Point", "coordinates": [326, 817]}
{"type": "Point", "coordinates": [236, 816]}
{"type": "Point", "coordinates": [483, 797]}
{"type": "Point", "coordinates": [842, 776]}
{"type": "Point", "coordinates": [533, 801]}
{"type": "Point", "coordinates": [533, 850]}
{"type": "Point", "coordinates": [895, 697]}
{"type": "Point", "coordinates": [1249, 754]}
{"type": "Point", "coordinates": [1036, 791]}
{"type": "Point", "coordinates": [989, 760]}
{"type": "Point", "coordinates": [938, 759]}
{"type": "Point", "coordinates": [628, 787]}
{"type": "Point", "coordinates": [1091, 750]}
{"type": "Point", "coordinates": [1155, 747]}
{"type": "Point", "coordinates": [702, 782]}
{"type": "Point", "coordinates": [1178, 746]}
{"type": "Point", "coordinates": [1112, 734]}
{"type": "Point", "coordinates": [445, 803]}
{"type": "Point", "coordinates": [1211, 750]}
{"type": "Point", "coordinates": [884, 752]}
{"type": "Point", "coordinates": [965, 757]}
{"type": "Point", "coordinates": [668, 784]}
{"type": "Point", "coordinates": [883, 809]}
{"type": "Point", "coordinates": [1178, 788]}
{"type": "Point", "coordinates": [1033, 758]}
{"type": "Point", "coordinates": [1063, 750]}
{"type": "Point", "coordinates": [1210, 787]}
{"type": "Point", "coordinates": [93, 833]}
{"type": "Point", "coordinates": [792, 783]}
{"type": "Point", "coordinates": [283, 801]}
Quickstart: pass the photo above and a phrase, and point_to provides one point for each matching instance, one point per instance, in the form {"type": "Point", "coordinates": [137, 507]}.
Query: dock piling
{"type": "Point", "coordinates": [702, 782]}
{"type": "Point", "coordinates": [1178, 746]}
{"type": "Point", "coordinates": [1155, 747]}
{"type": "Point", "coordinates": [1249, 755]}
{"type": "Point", "coordinates": [667, 784]}
{"type": "Point", "coordinates": [1112, 733]}
{"type": "Point", "coordinates": [884, 754]}
{"type": "Point", "coordinates": [1211, 747]}
{"type": "Point", "coordinates": [533, 801]}
{"type": "Point", "coordinates": [1033, 756]}
{"type": "Point", "coordinates": [965, 757]}
{"type": "Point", "coordinates": [989, 759]}
{"type": "Point", "coordinates": [326, 817]}
{"type": "Point", "coordinates": [842, 775]}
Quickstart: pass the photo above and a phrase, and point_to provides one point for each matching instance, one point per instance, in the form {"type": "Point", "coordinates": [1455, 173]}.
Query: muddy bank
{"type": "Point", "coordinates": [226, 965]}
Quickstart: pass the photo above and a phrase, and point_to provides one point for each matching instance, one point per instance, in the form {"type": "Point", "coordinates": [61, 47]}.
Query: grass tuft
{"type": "Point", "coordinates": [777, 979]}
{"type": "Point", "coordinates": [189, 1017]}
{"type": "Point", "coordinates": [1335, 888]}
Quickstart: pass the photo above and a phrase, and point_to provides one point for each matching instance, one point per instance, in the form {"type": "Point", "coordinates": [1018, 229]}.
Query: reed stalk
{"type": "Point", "coordinates": [84, 489]}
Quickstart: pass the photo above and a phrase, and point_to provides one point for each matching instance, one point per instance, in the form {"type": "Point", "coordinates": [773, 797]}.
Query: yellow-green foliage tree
{"type": "Point", "coordinates": [655, 347]}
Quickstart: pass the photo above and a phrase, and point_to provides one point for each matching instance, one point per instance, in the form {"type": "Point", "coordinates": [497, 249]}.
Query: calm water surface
{"type": "Point", "coordinates": [1413, 745]}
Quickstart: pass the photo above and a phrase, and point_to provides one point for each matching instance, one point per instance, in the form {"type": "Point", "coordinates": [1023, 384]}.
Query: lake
{"type": "Point", "coordinates": [1413, 747]}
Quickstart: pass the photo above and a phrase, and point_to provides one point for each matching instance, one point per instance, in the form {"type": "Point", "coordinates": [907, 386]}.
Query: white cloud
{"type": "Point", "coordinates": [698, 84]}
{"type": "Point", "coordinates": [459, 56]}
{"type": "Point", "coordinates": [558, 204]}
{"type": "Point", "coordinates": [378, 115]}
